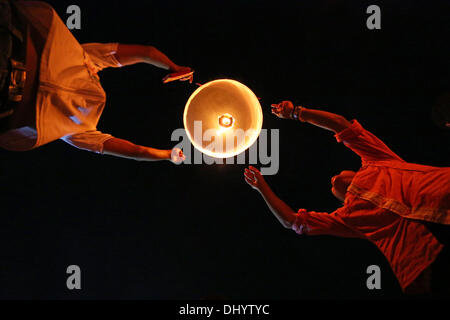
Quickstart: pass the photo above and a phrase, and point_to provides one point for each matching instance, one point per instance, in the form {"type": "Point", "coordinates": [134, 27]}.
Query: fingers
{"type": "Point", "coordinates": [283, 109]}
{"type": "Point", "coordinates": [252, 176]}
{"type": "Point", "coordinates": [249, 178]}
{"type": "Point", "coordinates": [254, 170]}
{"type": "Point", "coordinates": [275, 108]}
{"type": "Point", "coordinates": [281, 105]}
{"type": "Point", "coordinates": [165, 79]}
{"type": "Point", "coordinates": [189, 78]}
{"type": "Point", "coordinates": [186, 74]}
{"type": "Point", "coordinates": [249, 175]}
{"type": "Point", "coordinates": [177, 156]}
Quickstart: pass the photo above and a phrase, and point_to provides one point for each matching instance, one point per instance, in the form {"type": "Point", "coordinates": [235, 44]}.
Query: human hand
{"type": "Point", "coordinates": [283, 109]}
{"type": "Point", "coordinates": [254, 178]}
{"type": "Point", "coordinates": [180, 73]}
{"type": "Point", "coordinates": [181, 69]}
{"type": "Point", "coordinates": [177, 156]}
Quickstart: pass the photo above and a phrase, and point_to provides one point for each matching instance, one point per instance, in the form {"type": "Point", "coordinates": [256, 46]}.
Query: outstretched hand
{"type": "Point", "coordinates": [177, 156]}
{"type": "Point", "coordinates": [181, 74]}
{"type": "Point", "coordinates": [254, 178]}
{"type": "Point", "coordinates": [283, 109]}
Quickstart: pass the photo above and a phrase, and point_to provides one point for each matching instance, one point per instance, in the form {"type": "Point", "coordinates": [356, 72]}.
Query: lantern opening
{"type": "Point", "coordinates": [226, 121]}
{"type": "Point", "coordinates": [222, 118]}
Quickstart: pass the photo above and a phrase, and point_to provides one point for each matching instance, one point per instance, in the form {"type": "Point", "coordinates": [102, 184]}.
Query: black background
{"type": "Point", "coordinates": [142, 230]}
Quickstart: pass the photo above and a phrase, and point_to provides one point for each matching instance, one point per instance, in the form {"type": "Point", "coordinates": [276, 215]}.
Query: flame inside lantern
{"type": "Point", "coordinates": [222, 118]}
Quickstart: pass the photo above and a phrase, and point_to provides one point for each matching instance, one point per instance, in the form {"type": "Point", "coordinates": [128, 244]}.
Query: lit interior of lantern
{"type": "Point", "coordinates": [224, 108]}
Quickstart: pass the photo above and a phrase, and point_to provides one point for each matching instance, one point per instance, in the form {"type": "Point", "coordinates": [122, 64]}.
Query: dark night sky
{"type": "Point", "coordinates": [142, 230]}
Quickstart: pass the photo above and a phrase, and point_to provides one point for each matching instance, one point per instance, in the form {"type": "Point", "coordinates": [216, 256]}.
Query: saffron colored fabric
{"type": "Point", "coordinates": [386, 203]}
{"type": "Point", "coordinates": [70, 98]}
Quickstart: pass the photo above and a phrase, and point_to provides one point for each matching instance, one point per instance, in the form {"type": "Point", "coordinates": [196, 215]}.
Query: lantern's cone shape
{"type": "Point", "coordinates": [223, 118]}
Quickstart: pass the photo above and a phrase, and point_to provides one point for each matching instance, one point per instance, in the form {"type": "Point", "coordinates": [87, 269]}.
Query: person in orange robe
{"type": "Point", "coordinates": [388, 201]}
{"type": "Point", "coordinates": [63, 97]}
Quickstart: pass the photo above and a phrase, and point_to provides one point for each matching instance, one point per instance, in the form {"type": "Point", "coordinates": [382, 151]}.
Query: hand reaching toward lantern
{"type": "Point", "coordinates": [279, 208]}
{"type": "Point", "coordinates": [177, 156]}
{"type": "Point", "coordinates": [254, 178]}
{"type": "Point", "coordinates": [181, 74]}
{"type": "Point", "coordinates": [283, 109]}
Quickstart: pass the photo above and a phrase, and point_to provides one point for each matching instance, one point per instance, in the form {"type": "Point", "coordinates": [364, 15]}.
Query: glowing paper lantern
{"type": "Point", "coordinates": [222, 118]}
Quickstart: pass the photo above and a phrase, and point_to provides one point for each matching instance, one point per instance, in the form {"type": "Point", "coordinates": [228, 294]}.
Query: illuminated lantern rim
{"type": "Point", "coordinates": [252, 139]}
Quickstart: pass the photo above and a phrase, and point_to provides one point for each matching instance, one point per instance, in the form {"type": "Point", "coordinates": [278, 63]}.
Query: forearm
{"type": "Point", "coordinates": [128, 54]}
{"type": "Point", "coordinates": [152, 154]}
{"type": "Point", "coordinates": [279, 208]}
{"type": "Point", "coordinates": [324, 119]}
{"type": "Point", "coordinates": [125, 149]}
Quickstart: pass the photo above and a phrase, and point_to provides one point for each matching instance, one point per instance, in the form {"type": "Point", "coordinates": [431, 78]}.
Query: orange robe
{"type": "Point", "coordinates": [385, 204]}
{"type": "Point", "coordinates": [70, 98]}
{"type": "Point", "coordinates": [411, 190]}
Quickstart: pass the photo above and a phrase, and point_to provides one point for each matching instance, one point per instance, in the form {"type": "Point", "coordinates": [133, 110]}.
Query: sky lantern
{"type": "Point", "coordinates": [222, 118]}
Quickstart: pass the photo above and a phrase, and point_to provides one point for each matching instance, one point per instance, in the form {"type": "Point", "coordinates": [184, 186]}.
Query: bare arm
{"type": "Point", "coordinates": [323, 119]}
{"type": "Point", "coordinates": [316, 223]}
{"type": "Point", "coordinates": [284, 213]}
{"type": "Point", "coordinates": [279, 208]}
{"type": "Point", "coordinates": [125, 149]}
{"type": "Point", "coordinates": [128, 54]}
